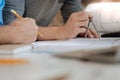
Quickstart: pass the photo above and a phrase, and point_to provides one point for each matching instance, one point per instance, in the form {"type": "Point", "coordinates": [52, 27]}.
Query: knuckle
{"type": "Point", "coordinates": [30, 19]}
{"type": "Point", "coordinates": [73, 14]}
{"type": "Point", "coordinates": [86, 17]}
{"type": "Point", "coordinates": [26, 18]}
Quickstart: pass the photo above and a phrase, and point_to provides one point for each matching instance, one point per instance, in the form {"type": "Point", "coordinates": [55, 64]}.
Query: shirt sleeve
{"type": "Point", "coordinates": [69, 7]}
{"type": "Point", "coordinates": [1, 7]}
{"type": "Point", "coordinates": [17, 5]}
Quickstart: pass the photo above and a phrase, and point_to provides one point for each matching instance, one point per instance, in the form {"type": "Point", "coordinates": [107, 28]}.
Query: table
{"type": "Point", "coordinates": [47, 67]}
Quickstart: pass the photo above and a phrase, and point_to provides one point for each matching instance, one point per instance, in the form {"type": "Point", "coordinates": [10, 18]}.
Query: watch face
{"type": "Point", "coordinates": [61, 1]}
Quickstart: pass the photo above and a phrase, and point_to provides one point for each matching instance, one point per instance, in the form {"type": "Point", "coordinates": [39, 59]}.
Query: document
{"type": "Point", "coordinates": [103, 50]}
{"type": "Point", "coordinates": [60, 46]}
{"type": "Point", "coordinates": [106, 16]}
{"type": "Point", "coordinates": [63, 46]}
{"type": "Point", "coordinates": [13, 49]}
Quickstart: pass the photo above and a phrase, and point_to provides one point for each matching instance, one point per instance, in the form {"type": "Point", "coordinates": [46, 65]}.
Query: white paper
{"type": "Point", "coordinates": [14, 48]}
{"type": "Point", "coordinates": [74, 45]}
{"type": "Point", "coordinates": [106, 16]}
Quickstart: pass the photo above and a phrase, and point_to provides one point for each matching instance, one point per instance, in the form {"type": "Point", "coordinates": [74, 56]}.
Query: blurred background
{"type": "Point", "coordinates": [58, 19]}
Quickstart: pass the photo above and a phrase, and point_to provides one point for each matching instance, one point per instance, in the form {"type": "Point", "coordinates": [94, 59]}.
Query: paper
{"type": "Point", "coordinates": [74, 45]}
{"type": "Point", "coordinates": [60, 46]}
{"type": "Point", "coordinates": [106, 16]}
{"type": "Point", "coordinates": [14, 49]}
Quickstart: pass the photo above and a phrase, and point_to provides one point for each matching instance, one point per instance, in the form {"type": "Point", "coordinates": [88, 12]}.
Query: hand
{"type": "Point", "coordinates": [23, 30]}
{"type": "Point", "coordinates": [90, 33]}
{"type": "Point", "coordinates": [75, 25]}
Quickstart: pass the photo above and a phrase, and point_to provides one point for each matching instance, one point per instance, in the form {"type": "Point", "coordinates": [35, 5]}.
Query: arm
{"type": "Point", "coordinates": [22, 31]}
{"type": "Point", "coordinates": [74, 20]}
{"type": "Point", "coordinates": [71, 29]}
{"type": "Point", "coordinates": [66, 31]}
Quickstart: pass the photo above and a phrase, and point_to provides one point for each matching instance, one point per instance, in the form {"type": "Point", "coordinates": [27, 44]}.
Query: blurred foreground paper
{"type": "Point", "coordinates": [10, 49]}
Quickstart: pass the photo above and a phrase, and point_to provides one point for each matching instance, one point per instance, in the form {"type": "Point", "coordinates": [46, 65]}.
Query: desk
{"type": "Point", "coordinates": [47, 67]}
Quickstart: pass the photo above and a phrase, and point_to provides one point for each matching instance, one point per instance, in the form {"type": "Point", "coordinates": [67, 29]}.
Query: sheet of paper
{"type": "Point", "coordinates": [14, 48]}
{"type": "Point", "coordinates": [74, 44]}
{"type": "Point", "coordinates": [61, 46]}
{"type": "Point", "coordinates": [106, 16]}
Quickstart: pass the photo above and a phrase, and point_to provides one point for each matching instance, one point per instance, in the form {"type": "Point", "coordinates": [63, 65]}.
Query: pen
{"type": "Point", "coordinates": [20, 17]}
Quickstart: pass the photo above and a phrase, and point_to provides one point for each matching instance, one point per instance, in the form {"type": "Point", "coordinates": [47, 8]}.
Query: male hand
{"type": "Point", "coordinates": [75, 25]}
{"type": "Point", "coordinates": [23, 31]}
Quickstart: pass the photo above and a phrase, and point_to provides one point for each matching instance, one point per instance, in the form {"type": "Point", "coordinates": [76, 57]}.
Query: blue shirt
{"type": "Point", "coordinates": [1, 7]}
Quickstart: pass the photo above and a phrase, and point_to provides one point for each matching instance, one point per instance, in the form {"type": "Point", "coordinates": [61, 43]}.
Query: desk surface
{"type": "Point", "coordinates": [47, 67]}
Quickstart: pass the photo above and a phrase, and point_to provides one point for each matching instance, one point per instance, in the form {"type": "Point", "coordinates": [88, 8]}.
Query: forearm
{"type": "Point", "coordinates": [50, 33]}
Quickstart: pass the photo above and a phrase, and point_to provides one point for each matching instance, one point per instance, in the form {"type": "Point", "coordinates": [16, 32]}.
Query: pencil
{"type": "Point", "coordinates": [20, 17]}
{"type": "Point", "coordinates": [12, 61]}
{"type": "Point", "coordinates": [16, 14]}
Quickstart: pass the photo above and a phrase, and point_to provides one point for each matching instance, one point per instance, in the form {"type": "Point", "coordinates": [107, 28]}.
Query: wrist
{"type": "Point", "coordinates": [60, 33]}
{"type": "Point", "coordinates": [51, 33]}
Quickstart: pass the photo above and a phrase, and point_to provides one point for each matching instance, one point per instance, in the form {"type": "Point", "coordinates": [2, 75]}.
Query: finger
{"type": "Point", "coordinates": [83, 18]}
{"type": "Point", "coordinates": [90, 34]}
{"type": "Point", "coordinates": [94, 33]}
{"type": "Point", "coordinates": [80, 18]}
{"type": "Point", "coordinates": [82, 24]}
